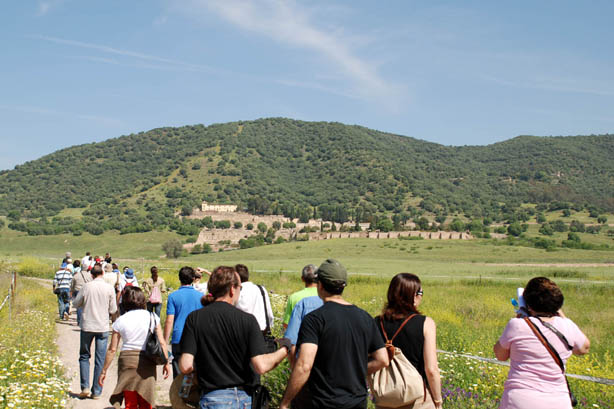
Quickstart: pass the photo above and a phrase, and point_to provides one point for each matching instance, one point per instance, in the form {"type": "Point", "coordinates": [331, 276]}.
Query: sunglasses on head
{"type": "Point", "coordinates": [420, 292]}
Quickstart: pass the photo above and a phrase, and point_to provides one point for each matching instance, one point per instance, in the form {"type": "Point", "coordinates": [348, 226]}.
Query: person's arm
{"type": "Point", "coordinates": [186, 363]}
{"type": "Point", "coordinates": [265, 362]}
{"type": "Point", "coordinates": [287, 313]}
{"type": "Point", "coordinates": [112, 302]}
{"type": "Point", "coordinates": [583, 349]}
{"type": "Point", "coordinates": [271, 318]}
{"type": "Point", "coordinates": [78, 302]}
{"type": "Point", "coordinates": [430, 361]}
{"type": "Point", "coordinates": [502, 354]}
{"type": "Point", "coordinates": [110, 356]}
{"type": "Point", "coordinates": [167, 365]}
{"type": "Point", "coordinates": [162, 286]}
{"type": "Point", "coordinates": [168, 327]}
{"type": "Point", "coordinates": [379, 360]}
{"type": "Point", "coordinates": [300, 373]}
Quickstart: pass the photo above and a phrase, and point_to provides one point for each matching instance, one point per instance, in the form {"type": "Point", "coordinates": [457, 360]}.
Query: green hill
{"type": "Point", "coordinates": [137, 182]}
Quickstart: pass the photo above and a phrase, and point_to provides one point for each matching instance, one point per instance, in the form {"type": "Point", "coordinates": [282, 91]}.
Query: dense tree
{"type": "Point", "coordinates": [172, 248]}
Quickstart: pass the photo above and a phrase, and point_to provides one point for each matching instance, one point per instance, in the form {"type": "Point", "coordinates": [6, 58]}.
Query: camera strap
{"type": "Point", "coordinates": [555, 355]}
{"type": "Point", "coordinates": [556, 332]}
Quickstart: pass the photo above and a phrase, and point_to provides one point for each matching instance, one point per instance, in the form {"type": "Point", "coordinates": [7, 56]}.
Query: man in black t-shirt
{"type": "Point", "coordinates": [335, 342]}
{"type": "Point", "coordinates": [224, 343]}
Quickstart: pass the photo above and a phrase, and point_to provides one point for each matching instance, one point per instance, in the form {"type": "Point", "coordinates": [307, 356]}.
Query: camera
{"type": "Point", "coordinates": [519, 305]}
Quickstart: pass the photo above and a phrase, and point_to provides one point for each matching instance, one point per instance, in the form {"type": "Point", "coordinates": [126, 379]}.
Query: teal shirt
{"type": "Point", "coordinates": [293, 299]}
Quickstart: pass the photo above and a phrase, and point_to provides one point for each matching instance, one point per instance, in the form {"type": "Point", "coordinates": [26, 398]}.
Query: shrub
{"type": "Point", "coordinates": [276, 225]}
{"type": "Point", "coordinates": [289, 225]}
{"type": "Point", "coordinates": [501, 230]}
{"type": "Point", "coordinates": [206, 248]}
{"type": "Point", "coordinates": [600, 219]}
{"type": "Point", "coordinates": [542, 243]}
{"type": "Point", "coordinates": [559, 226]}
{"type": "Point", "coordinates": [172, 248]}
{"type": "Point", "coordinates": [32, 267]}
{"type": "Point", "coordinates": [262, 227]}
{"type": "Point", "coordinates": [197, 249]}
{"type": "Point", "coordinates": [222, 224]}
{"type": "Point", "coordinates": [238, 225]}
{"type": "Point", "coordinates": [249, 226]}
{"type": "Point", "coordinates": [515, 229]}
{"type": "Point", "coordinates": [576, 226]}
{"type": "Point", "coordinates": [546, 229]}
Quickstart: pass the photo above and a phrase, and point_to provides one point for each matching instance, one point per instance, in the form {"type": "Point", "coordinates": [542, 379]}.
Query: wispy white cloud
{"type": "Point", "coordinates": [127, 53]}
{"type": "Point", "coordinates": [288, 23]}
{"type": "Point", "coordinates": [31, 109]}
{"type": "Point", "coordinates": [43, 7]}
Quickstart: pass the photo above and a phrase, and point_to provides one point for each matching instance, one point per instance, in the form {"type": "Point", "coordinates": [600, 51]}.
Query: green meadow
{"type": "Point", "coordinates": [467, 290]}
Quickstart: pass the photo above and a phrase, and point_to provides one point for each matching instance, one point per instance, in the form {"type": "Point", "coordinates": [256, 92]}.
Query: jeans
{"type": "Point", "coordinates": [84, 359]}
{"type": "Point", "coordinates": [63, 302]}
{"type": "Point", "coordinates": [231, 398]}
{"type": "Point", "coordinates": [79, 310]}
{"type": "Point", "coordinates": [157, 308]}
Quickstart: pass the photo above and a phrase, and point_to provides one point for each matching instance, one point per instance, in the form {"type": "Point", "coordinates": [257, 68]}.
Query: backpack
{"type": "Point", "coordinates": [399, 384]}
{"type": "Point", "coordinates": [156, 296]}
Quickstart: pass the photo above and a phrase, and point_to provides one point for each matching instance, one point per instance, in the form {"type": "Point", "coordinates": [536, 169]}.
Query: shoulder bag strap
{"type": "Point", "coordinates": [401, 327]}
{"type": "Point", "coordinates": [544, 341]}
{"type": "Point", "coordinates": [266, 311]}
{"type": "Point", "coordinates": [557, 333]}
{"type": "Point", "coordinates": [551, 350]}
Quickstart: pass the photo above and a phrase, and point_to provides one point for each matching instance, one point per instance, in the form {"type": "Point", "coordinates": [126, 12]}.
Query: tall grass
{"type": "Point", "coordinates": [31, 375]}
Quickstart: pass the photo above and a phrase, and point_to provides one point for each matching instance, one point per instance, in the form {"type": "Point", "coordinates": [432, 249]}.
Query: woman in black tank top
{"type": "Point", "coordinates": [417, 339]}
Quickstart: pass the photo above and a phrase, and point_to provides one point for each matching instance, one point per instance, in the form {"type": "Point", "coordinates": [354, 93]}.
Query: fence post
{"type": "Point", "coordinates": [11, 302]}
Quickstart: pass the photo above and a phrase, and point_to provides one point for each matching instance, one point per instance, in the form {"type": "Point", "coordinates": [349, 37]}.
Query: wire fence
{"type": "Point", "coordinates": [11, 294]}
{"type": "Point", "coordinates": [604, 381]}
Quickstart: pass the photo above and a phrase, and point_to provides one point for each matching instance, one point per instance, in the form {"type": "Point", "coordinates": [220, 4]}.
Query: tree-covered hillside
{"type": "Point", "coordinates": [300, 169]}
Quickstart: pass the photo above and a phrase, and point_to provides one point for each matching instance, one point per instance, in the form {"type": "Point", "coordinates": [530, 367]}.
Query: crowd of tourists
{"type": "Point", "coordinates": [220, 339]}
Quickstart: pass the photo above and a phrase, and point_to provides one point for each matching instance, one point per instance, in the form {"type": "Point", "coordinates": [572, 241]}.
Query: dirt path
{"type": "Point", "coordinates": [68, 334]}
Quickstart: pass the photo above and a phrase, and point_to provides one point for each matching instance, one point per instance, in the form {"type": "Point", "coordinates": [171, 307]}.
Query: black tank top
{"type": "Point", "coordinates": [410, 340]}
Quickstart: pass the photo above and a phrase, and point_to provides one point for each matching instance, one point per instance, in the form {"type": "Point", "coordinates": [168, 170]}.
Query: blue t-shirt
{"type": "Point", "coordinates": [180, 304]}
{"type": "Point", "coordinates": [302, 308]}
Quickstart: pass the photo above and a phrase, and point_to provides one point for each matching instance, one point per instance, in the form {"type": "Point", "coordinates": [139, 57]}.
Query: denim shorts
{"type": "Point", "coordinates": [231, 398]}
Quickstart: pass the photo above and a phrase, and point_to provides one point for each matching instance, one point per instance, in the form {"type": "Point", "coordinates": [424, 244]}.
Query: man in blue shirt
{"type": "Point", "coordinates": [302, 308]}
{"type": "Point", "coordinates": [179, 305]}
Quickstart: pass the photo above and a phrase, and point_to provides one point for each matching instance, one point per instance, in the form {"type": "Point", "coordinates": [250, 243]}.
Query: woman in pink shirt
{"type": "Point", "coordinates": [535, 380]}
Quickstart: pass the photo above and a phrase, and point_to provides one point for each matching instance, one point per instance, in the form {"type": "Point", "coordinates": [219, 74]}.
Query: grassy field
{"type": "Point", "coordinates": [467, 284]}
{"type": "Point", "coordinates": [31, 375]}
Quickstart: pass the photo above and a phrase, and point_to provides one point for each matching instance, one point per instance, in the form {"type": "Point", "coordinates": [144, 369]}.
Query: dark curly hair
{"type": "Point", "coordinates": [133, 298]}
{"type": "Point", "coordinates": [543, 296]}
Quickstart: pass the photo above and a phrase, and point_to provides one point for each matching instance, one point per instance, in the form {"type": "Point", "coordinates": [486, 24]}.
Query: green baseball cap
{"type": "Point", "coordinates": [332, 272]}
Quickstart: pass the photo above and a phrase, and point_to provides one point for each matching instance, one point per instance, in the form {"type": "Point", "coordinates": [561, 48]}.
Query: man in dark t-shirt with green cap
{"type": "Point", "coordinates": [335, 343]}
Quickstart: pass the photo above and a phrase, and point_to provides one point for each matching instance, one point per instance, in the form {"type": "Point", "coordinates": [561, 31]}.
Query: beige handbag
{"type": "Point", "coordinates": [400, 383]}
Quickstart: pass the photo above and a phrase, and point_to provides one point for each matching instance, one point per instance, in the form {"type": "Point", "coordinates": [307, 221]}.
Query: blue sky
{"type": "Point", "coordinates": [451, 72]}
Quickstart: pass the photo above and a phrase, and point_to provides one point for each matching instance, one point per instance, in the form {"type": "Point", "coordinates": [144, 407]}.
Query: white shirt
{"type": "Point", "coordinates": [133, 327]}
{"type": "Point", "coordinates": [123, 281]}
{"type": "Point", "coordinates": [85, 262]}
{"type": "Point", "coordinates": [250, 301]}
{"type": "Point", "coordinates": [202, 287]}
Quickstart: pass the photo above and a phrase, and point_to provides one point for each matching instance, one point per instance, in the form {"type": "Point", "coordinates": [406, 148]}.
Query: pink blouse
{"type": "Point", "coordinates": [532, 368]}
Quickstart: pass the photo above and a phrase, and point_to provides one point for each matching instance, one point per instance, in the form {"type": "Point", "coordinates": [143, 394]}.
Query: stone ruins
{"type": "Point", "coordinates": [206, 207]}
